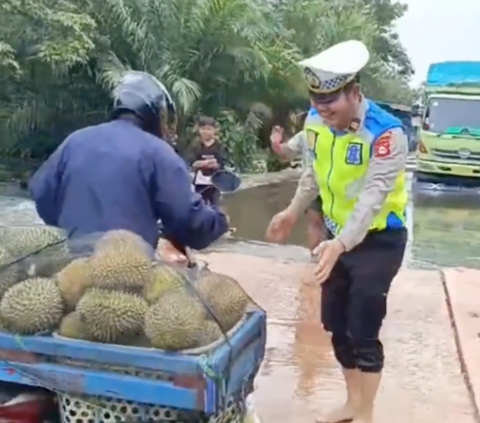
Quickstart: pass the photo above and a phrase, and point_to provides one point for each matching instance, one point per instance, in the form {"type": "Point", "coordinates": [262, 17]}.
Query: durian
{"type": "Point", "coordinates": [139, 340]}
{"type": "Point", "coordinates": [74, 280]}
{"type": "Point", "coordinates": [46, 265]}
{"type": "Point", "coordinates": [121, 238]}
{"type": "Point", "coordinates": [3, 327]}
{"type": "Point", "coordinates": [121, 268]}
{"type": "Point", "coordinates": [24, 240]}
{"type": "Point", "coordinates": [32, 306]}
{"type": "Point", "coordinates": [174, 321]}
{"type": "Point", "coordinates": [210, 332]}
{"type": "Point", "coordinates": [225, 298]}
{"type": "Point", "coordinates": [72, 327]}
{"type": "Point", "coordinates": [9, 271]}
{"type": "Point", "coordinates": [164, 279]}
{"type": "Point", "coordinates": [111, 315]}
{"type": "Point", "coordinates": [43, 249]}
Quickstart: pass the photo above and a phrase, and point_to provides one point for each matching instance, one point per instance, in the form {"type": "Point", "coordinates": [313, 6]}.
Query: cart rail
{"type": "Point", "coordinates": [189, 382]}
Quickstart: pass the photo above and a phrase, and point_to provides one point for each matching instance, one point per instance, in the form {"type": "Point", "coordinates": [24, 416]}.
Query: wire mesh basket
{"type": "Point", "coordinates": [77, 409]}
{"type": "Point", "coordinates": [97, 375]}
{"type": "Point", "coordinates": [89, 409]}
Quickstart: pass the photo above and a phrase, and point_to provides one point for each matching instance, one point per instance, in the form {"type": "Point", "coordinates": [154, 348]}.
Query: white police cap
{"type": "Point", "coordinates": [332, 69]}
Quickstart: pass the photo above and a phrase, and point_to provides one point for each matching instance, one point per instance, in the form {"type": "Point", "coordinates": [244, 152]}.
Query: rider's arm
{"type": "Point", "coordinates": [389, 158]}
{"type": "Point", "coordinates": [307, 191]}
{"type": "Point", "coordinates": [44, 186]}
{"type": "Point", "coordinates": [186, 219]}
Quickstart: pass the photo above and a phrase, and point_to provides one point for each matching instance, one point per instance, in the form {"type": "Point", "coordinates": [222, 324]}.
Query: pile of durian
{"type": "Point", "coordinates": [117, 294]}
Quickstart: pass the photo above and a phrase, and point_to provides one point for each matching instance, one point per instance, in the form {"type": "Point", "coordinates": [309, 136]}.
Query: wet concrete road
{"type": "Point", "coordinates": [299, 378]}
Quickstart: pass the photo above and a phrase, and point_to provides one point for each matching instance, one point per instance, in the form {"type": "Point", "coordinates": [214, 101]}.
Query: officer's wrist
{"type": "Point", "coordinates": [340, 245]}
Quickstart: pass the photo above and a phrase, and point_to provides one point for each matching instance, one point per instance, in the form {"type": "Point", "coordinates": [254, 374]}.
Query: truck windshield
{"type": "Point", "coordinates": [445, 113]}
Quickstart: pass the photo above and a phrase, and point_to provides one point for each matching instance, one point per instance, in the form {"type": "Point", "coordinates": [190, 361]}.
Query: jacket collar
{"type": "Point", "coordinates": [358, 121]}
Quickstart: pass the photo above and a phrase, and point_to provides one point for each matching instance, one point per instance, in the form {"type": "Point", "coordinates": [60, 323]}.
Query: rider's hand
{"type": "Point", "coordinates": [166, 251]}
{"type": "Point", "coordinates": [281, 226]}
{"type": "Point", "coordinates": [276, 137]}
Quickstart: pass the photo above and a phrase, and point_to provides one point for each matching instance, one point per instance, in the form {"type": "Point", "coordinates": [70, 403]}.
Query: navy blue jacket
{"type": "Point", "coordinates": [116, 176]}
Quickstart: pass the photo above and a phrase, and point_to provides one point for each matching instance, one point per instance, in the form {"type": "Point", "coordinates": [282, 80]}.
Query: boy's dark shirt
{"type": "Point", "coordinates": [203, 152]}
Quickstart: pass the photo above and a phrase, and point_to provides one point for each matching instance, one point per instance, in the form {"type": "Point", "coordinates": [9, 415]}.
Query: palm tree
{"type": "Point", "coordinates": [236, 59]}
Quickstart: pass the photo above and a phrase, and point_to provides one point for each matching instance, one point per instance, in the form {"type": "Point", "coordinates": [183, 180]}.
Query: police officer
{"type": "Point", "coordinates": [296, 146]}
{"type": "Point", "coordinates": [122, 175]}
{"type": "Point", "coordinates": [359, 170]}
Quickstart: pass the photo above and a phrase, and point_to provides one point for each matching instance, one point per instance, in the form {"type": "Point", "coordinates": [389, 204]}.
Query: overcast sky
{"type": "Point", "coordinates": [438, 30]}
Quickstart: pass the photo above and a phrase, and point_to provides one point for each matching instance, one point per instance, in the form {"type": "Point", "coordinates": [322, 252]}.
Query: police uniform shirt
{"type": "Point", "coordinates": [298, 144]}
{"type": "Point", "coordinates": [383, 169]}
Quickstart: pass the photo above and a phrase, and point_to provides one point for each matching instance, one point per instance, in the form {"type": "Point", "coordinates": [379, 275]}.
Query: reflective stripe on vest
{"type": "Point", "coordinates": [341, 163]}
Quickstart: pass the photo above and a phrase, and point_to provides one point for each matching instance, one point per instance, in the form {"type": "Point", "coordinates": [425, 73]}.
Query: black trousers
{"type": "Point", "coordinates": [210, 194]}
{"type": "Point", "coordinates": [354, 298]}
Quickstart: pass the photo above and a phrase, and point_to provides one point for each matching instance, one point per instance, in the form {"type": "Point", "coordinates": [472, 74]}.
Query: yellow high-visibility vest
{"type": "Point", "coordinates": [341, 163]}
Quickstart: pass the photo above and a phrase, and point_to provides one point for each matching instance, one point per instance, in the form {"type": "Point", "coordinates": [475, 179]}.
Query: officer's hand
{"type": "Point", "coordinates": [328, 252]}
{"type": "Point", "coordinates": [281, 226]}
{"type": "Point", "coordinates": [276, 137]}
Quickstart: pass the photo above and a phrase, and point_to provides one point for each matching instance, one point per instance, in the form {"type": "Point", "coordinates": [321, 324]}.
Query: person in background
{"type": "Point", "coordinates": [124, 174]}
{"type": "Point", "coordinates": [294, 147]}
{"type": "Point", "coordinates": [360, 154]}
{"type": "Point", "coordinates": [206, 157]}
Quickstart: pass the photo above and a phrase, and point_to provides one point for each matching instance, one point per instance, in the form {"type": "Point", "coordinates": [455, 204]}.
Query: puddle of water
{"type": "Point", "coordinates": [17, 211]}
{"type": "Point", "coordinates": [444, 229]}
{"type": "Point", "coordinates": [299, 378]}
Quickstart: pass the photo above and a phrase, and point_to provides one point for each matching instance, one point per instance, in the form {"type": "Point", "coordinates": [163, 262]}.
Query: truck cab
{"type": "Point", "coordinates": [449, 147]}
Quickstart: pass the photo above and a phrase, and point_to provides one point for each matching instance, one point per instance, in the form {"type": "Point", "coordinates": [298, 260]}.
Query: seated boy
{"type": "Point", "coordinates": [207, 156]}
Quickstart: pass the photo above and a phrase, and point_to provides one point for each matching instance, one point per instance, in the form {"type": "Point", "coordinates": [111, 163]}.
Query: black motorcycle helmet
{"type": "Point", "coordinates": [143, 96]}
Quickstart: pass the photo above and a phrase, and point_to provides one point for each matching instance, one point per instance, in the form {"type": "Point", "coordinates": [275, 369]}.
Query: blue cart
{"type": "Point", "coordinates": [100, 383]}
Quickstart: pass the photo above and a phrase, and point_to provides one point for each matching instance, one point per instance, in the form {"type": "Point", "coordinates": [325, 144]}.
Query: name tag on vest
{"type": "Point", "coordinates": [312, 142]}
{"type": "Point", "coordinates": [353, 155]}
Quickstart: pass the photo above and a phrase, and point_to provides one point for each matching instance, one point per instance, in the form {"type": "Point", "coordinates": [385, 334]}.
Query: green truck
{"type": "Point", "coordinates": [449, 146]}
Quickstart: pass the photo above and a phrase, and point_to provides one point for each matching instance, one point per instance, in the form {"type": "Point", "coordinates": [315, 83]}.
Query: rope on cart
{"type": "Point", "coordinates": [207, 369]}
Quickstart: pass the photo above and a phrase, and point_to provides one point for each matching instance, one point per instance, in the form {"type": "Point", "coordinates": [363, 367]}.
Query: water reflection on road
{"type": "Point", "coordinates": [444, 229]}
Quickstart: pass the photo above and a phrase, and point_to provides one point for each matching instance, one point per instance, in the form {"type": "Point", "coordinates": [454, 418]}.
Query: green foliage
{"type": "Point", "coordinates": [239, 139]}
{"type": "Point", "coordinates": [274, 164]}
{"type": "Point", "coordinates": [235, 60]}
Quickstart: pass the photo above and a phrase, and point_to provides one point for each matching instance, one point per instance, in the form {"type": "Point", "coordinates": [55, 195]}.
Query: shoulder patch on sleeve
{"type": "Point", "coordinates": [383, 146]}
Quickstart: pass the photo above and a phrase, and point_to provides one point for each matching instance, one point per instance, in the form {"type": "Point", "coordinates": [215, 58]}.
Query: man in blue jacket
{"type": "Point", "coordinates": [124, 175]}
